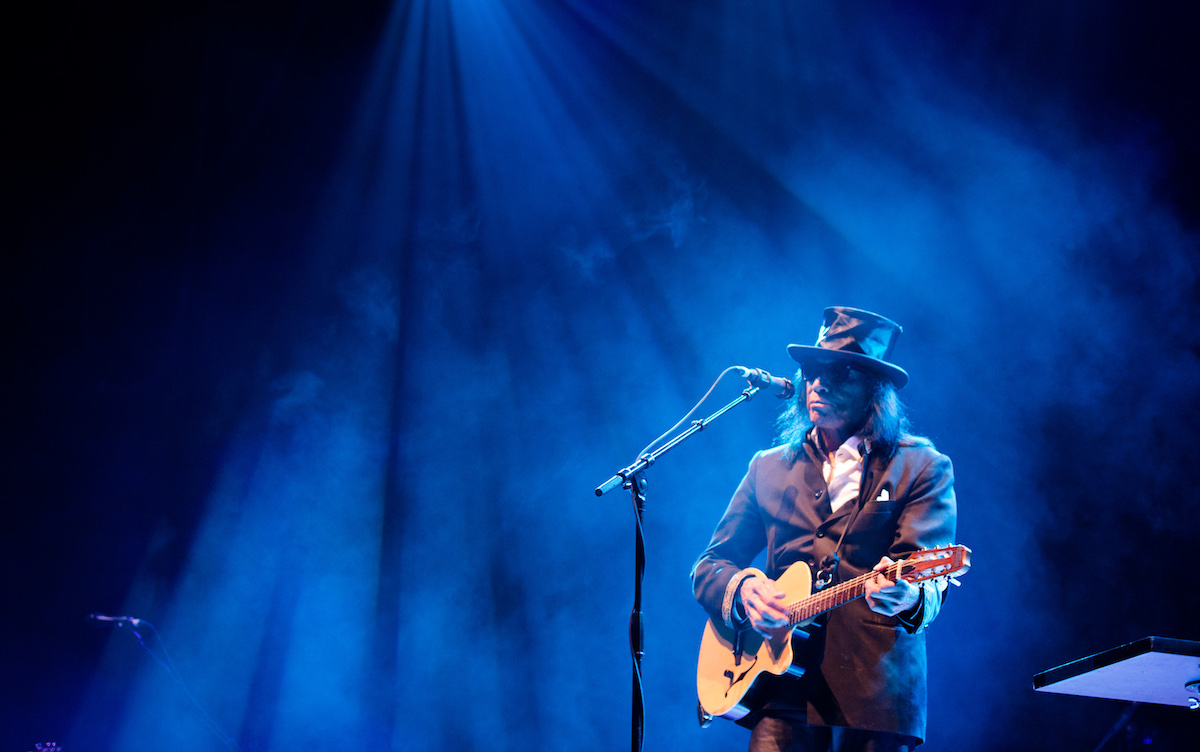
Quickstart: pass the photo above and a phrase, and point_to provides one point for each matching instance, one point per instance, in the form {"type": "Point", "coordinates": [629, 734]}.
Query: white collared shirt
{"type": "Point", "coordinates": [843, 476]}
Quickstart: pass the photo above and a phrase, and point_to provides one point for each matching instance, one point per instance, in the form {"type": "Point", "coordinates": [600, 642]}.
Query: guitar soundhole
{"type": "Point", "coordinates": [734, 678]}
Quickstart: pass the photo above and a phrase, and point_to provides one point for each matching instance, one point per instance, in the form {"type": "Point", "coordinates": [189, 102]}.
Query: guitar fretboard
{"type": "Point", "coordinates": [836, 595]}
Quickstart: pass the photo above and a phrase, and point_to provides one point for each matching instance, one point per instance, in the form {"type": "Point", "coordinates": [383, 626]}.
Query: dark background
{"type": "Point", "coordinates": [322, 322]}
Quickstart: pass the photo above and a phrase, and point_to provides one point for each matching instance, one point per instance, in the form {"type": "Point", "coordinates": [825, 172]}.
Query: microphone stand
{"type": "Point", "coordinates": [633, 478]}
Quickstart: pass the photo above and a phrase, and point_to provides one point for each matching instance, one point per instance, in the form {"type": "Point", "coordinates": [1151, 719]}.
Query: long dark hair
{"type": "Point", "coordinates": [886, 429]}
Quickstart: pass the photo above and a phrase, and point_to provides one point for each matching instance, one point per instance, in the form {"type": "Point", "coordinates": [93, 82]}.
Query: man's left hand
{"type": "Point", "coordinates": [890, 598]}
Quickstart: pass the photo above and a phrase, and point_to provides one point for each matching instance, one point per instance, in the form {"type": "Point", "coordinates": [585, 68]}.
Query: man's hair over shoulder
{"type": "Point", "coordinates": [887, 427]}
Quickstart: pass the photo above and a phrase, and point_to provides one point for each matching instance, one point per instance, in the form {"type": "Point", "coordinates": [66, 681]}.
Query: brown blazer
{"type": "Point", "coordinates": [865, 670]}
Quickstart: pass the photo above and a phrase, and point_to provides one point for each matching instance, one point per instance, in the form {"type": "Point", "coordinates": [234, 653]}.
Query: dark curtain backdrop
{"type": "Point", "coordinates": [323, 321]}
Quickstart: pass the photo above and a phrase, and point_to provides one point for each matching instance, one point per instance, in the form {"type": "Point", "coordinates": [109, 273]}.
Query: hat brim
{"type": "Point", "coordinates": [807, 353]}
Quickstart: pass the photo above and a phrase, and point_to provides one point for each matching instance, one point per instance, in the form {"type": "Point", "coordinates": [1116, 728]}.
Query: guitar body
{"type": "Point", "coordinates": [730, 661]}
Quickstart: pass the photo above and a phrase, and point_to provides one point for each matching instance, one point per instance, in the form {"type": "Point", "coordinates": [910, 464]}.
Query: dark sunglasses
{"type": "Point", "coordinates": [832, 374]}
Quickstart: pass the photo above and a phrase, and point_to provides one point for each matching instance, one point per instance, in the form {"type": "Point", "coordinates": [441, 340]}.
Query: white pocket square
{"type": "Point", "coordinates": [883, 495]}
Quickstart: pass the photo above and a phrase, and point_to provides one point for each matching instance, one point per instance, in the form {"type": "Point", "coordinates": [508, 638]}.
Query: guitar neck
{"type": "Point", "coordinates": [824, 601]}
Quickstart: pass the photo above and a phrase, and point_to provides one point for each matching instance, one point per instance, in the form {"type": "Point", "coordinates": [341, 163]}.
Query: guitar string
{"type": "Point", "coordinates": [832, 597]}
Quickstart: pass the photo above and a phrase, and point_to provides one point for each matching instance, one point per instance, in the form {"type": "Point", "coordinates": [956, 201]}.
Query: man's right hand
{"type": "Point", "coordinates": [763, 603]}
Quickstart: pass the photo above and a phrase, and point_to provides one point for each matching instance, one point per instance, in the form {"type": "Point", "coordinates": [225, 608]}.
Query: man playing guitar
{"type": "Point", "coordinates": [847, 493]}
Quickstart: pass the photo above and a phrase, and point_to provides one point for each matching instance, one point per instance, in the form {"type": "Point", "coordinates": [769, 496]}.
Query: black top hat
{"type": "Point", "coordinates": [857, 337]}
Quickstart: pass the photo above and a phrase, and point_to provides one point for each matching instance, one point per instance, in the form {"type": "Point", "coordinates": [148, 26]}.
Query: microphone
{"type": "Point", "coordinates": [104, 620]}
{"type": "Point", "coordinates": [777, 385]}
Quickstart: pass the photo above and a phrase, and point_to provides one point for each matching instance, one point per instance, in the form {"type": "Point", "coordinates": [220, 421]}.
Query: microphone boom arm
{"type": "Point", "coordinates": [646, 460]}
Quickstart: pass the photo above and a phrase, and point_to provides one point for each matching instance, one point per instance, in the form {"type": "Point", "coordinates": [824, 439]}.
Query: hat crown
{"type": "Point", "coordinates": [858, 331]}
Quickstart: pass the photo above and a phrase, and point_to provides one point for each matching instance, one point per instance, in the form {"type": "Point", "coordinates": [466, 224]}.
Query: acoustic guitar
{"type": "Point", "coordinates": [731, 660]}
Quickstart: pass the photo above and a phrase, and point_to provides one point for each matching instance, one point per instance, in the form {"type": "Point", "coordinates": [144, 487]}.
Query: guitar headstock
{"type": "Point", "coordinates": [947, 562]}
